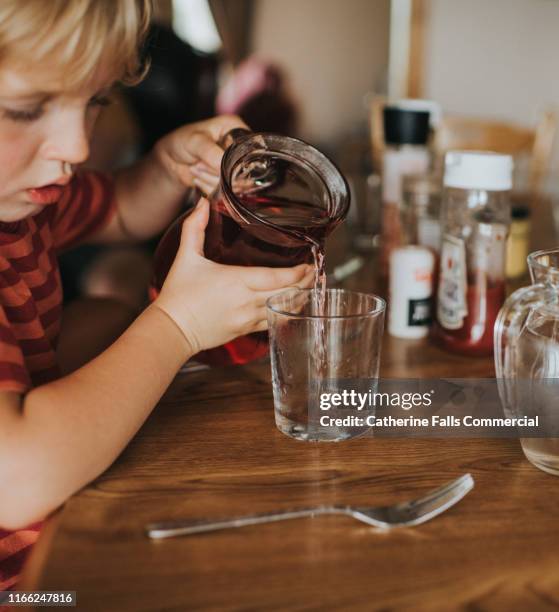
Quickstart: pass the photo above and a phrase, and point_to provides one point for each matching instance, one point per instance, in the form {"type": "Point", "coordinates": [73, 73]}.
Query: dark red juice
{"type": "Point", "coordinates": [286, 233]}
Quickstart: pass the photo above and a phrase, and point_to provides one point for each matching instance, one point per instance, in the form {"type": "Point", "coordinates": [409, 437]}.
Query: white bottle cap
{"type": "Point", "coordinates": [478, 170]}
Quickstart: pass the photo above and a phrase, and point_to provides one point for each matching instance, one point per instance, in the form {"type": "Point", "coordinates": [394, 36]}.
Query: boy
{"type": "Point", "coordinates": [58, 59]}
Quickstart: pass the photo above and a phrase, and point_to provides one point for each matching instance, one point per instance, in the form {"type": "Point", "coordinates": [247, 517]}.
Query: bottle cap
{"type": "Point", "coordinates": [416, 104]}
{"type": "Point", "coordinates": [478, 170]}
{"type": "Point", "coordinates": [520, 212]}
{"type": "Point", "coordinates": [405, 126]}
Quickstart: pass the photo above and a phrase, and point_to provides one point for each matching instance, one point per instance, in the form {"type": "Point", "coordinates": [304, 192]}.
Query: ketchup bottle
{"type": "Point", "coordinates": [475, 217]}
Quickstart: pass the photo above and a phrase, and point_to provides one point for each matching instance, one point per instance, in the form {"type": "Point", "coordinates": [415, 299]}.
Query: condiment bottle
{"type": "Point", "coordinates": [518, 244]}
{"type": "Point", "coordinates": [411, 290]}
{"type": "Point", "coordinates": [475, 218]}
{"type": "Point", "coordinates": [406, 133]}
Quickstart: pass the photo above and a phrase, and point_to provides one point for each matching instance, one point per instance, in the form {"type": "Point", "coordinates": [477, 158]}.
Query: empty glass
{"type": "Point", "coordinates": [318, 352]}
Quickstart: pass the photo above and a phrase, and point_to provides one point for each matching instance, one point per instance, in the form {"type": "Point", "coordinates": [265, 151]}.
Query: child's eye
{"type": "Point", "coordinates": [23, 115]}
{"type": "Point", "coordinates": [35, 113]}
{"type": "Point", "coordinates": [99, 101]}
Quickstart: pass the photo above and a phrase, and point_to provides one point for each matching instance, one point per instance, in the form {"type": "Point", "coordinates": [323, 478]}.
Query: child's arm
{"type": "Point", "coordinates": [61, 435]}
{"type": "Point", "coordinates": [149, 193]}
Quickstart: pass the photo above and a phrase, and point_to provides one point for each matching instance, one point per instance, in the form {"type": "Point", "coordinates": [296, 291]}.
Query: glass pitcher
{"type": "Point", "coordinates": [277, 200]}
{"type": "Point", "coordinates": [527, 357]}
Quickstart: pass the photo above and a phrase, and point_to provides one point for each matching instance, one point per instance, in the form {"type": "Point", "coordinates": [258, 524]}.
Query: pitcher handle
{"type": "Point", "coordinates": [233, 136]}
{"type": "Point", "coordinates": [510, 320]}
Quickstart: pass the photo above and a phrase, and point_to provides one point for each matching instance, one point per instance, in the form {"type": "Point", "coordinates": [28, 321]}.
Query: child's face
{"type": "Point", "coordinates": [44, 133]}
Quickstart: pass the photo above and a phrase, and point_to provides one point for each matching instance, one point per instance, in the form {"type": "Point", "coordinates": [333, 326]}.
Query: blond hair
{"type": "Point", "coordinates": [76, 36]}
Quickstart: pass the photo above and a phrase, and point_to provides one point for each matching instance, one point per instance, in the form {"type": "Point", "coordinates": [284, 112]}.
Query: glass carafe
{"type": "Point", "coordinates": [277, 200]}
{"type": "Point", "coordinates": [527, 357]}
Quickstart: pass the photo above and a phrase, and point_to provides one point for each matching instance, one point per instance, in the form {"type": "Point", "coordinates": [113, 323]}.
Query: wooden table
{"type": "Point", "coordinates": [211, 449]}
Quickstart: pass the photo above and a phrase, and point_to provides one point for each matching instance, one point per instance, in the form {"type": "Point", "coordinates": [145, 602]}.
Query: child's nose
{"type": "Point", "coordinates": [68, 142]}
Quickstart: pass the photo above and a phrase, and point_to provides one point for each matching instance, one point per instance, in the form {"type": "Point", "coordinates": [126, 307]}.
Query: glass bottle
{"type": "Point", "coordinates": [421, 211]}
{"type": "Point", "coordinates": [277, 200]}
{"type": "Point", "coordinates": [475, 218]}
{"type": "Point", "coordinates": [527, 357]}
{"type": "Point", "coordinates": [406, 133]}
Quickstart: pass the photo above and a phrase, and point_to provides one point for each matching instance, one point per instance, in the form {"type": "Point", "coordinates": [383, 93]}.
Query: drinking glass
{"type": "Point", "coordinates": [323, 344]}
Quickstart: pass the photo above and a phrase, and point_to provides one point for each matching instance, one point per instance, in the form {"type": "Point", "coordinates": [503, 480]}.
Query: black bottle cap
{"type": "Point", "coordinates": [519, 212]}
{"type": "Point", "coordinates": [405, 126]}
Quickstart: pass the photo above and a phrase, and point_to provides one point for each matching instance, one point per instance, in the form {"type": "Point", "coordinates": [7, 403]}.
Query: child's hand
{"type": "Point", "coordinates": [191, 154]}
{"type": "Point", "coordinates": [213, 303]}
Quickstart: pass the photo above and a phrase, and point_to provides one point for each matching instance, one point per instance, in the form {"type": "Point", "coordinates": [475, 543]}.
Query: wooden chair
{"type": "Point", "coordinates": [376, 125]}
{"type": "Point", "coordinates": [536, 145]}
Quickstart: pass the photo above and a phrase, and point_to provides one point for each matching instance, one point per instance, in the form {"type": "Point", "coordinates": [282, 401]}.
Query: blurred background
{"type": "Point", "coordinates": [321, 70]}
{"type": "Point", "coordinates": [311, 68]}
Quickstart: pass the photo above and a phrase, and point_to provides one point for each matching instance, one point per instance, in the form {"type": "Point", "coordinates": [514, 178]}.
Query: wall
{"type": "Point", "coordinates": [334, 51]}
{"type": "Point", "coordinates": [493, 58]}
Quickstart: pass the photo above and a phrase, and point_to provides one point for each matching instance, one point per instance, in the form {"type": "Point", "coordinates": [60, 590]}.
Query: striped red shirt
{"type": "Point", "coordinates": [31, 308]}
